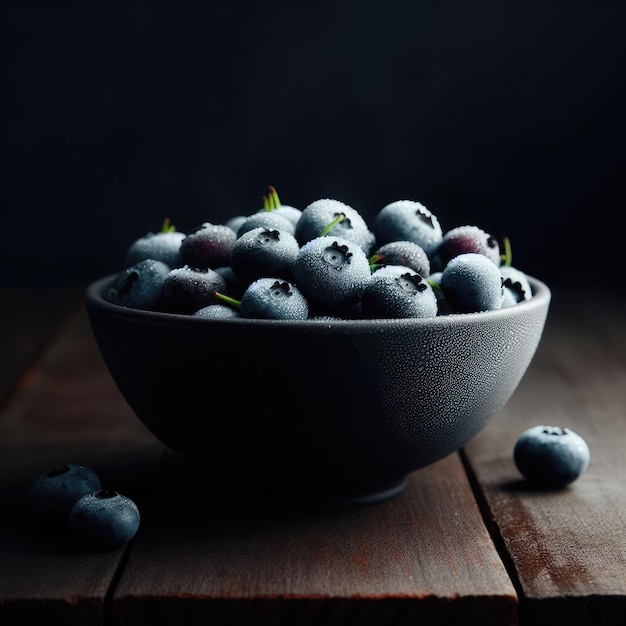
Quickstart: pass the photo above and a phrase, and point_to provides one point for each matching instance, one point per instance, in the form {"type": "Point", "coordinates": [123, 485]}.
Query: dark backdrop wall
{"type": "Point", "coordinates": [508, 115]}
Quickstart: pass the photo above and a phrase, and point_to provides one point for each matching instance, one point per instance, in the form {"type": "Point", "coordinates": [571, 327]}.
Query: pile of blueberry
{"type": "Point", "coordinates": [72, 497]}
{"type": "Point", "coordinates": [321, 262]}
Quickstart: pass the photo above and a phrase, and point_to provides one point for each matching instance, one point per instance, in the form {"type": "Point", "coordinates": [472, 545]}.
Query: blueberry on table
{"type": "Point", "coordinates": [52, 494]}
{"type": "Point", "coordinates": [104, 519]}
{"type": "Point", "coordinates": [550, 456]}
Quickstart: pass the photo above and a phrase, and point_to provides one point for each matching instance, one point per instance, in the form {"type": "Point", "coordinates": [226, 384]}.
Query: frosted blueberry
{"type": "Point", "coordinates": [104, 519]}
{"type": "Point", "coordinates": [273, 298]}
{"type": "Point", "coordinates": [262, 252]}
{"type": "Point", "coordinates": [320, 214]}
{"type": "Point", "coordinates": [551, 456]}
{"type": "Point", "coordinates": [331, 272]}
{"type": "Point", "coordinates": [163, 245]}
{"type": "Point", "coordinates": [471, 282]}
{"type": "Point", "coordinates": [516, 285]}
{"type": "Point", "coordinates": [395, 292]}
{"type": "Point", "coordinates": [139, 286]}
{"type": "Point", "coordinates": [468, 238]}
{"type": "Point", "coordinates": [266, 219]}
{"type": "Point", "coordinates": [52, 494]}
{"type": "Point", "coordinates": [406, 253]}
{"type": "Point", "coordinates": [408, 220]}
{"type": "Point", "coordinates": [207, 246]}
{"type": "Point", "coordinates": [217, 311]}
{"type": "Point", "coordinates": [186, 289]}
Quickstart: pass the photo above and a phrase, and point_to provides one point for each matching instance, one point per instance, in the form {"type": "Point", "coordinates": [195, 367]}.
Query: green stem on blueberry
{"type": "Point", "coordinates": [507, 257]}
{"type": "Point", "coordinates": [437, 289]}
{"type": "Point", "coordinates": [167, 227]}
{"type": "Point", "coordinates": [227, 300]}
{"type": "Point", "coordinates": [374, 262]}
{"type": "Point", "coordinates": [271, 201]}
{"type": "Point", "coordinates": [334, 223]}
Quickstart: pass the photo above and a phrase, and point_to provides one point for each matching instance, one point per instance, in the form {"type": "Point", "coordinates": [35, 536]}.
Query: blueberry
{"type": "Point", "coordinates": [331, 272]}
{"type": "Point", "coordinates": [471, 282]}
{"type": "Point", "coordinates": [207, 246]}
{"type": "Point", "coordinates": [516, 285]}
{"type": "Point", "coordinates": [395, 291]}
{"type": "Point", "coordinates": [104, 519]}
{"type": "Point", "coordinates": [186, 289]}
{"type": "Point", "coordinates": [273, 298]}
{"type": "Point", "coordinates": [406, 253]}
{"type": "Point", "coordinates": [469, 238]}
{"type": "Point", "coordinates": [551, 456]}
{"type": "Point", "coordinates": [52, 494]}
{"type": "Point", "coordinates": [266, 219]}
{"type": "Point", "coordinates": [217, 311]}
{"type": "Point", "coordinates": [408, 220]}
{"type": "Point", "coordinates": [262, 252]}
{"type": "Point", "coordinates": [320, 214]}
{"type": "Point", "coordinates": [139, 286]}
{"type": "Point", "coordinates": [163, 245]}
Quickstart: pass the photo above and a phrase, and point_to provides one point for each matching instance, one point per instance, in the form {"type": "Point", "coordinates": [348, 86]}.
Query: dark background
{"type": "Point", "coordinates": [507, 115]}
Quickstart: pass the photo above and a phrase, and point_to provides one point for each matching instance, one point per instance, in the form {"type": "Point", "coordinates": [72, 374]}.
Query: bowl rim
{"type": "Point", "coordinates": [94, 299]}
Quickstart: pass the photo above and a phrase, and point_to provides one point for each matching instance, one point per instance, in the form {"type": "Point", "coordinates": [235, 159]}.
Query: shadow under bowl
{"type": "Point", "coordinates": [328, 412]}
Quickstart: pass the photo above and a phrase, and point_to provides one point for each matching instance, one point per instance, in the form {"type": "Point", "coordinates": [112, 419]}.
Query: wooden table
{"type": "Point", "coordinates": [467, 543]}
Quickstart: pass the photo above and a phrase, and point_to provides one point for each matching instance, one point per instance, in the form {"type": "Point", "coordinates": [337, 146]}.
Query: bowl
{"type": "Point", "coordinates": [326, 411]}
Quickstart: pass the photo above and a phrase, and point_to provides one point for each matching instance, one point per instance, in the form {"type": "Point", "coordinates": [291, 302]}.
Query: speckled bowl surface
{"type": "Point", "coordinates": [339, 411]}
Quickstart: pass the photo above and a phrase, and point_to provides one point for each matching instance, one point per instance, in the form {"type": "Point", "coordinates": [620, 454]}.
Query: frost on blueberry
{"type": "Point", "coordinates": [471, 283]}
{"type": "Point", "coordinates": [272, 298]}
{"type": "Point", "coordinates": [551, 456]}
{"type": "Point", "coordinates": [327, 253]}
{"type": "Point", "coordinates": [139, 286]}
{"type": "Point", "coordinates": [104, 519]}
{"type": "Point", "coordinates": [262, 252]}
{"type": "Point", "coordinates": [408, 220]}
{"type": "Point", "coordinates": [318, 215]}
{"type": "Point", "coordinates": [163, 245]}
{"type": "Point", "coordinates": [331, 272]}
{"type": "Point", "coordinates": [395, 291]}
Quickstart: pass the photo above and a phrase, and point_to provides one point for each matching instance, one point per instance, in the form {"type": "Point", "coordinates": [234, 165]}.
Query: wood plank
{"type": "Point", "coordinates": [65, 410]}
{"type": "Point", "coordinates": [568, 547]}
{"type": "Point", "coordinates": [28, 320]}
{"type": "Point", "coordinates": [422, 557]}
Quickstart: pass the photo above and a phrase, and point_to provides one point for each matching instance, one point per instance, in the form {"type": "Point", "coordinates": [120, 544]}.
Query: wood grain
{"type": "Point", "coordinates": [28, 320]}
{"type": "Point", "coordinates": [65, 410]}
{"type": "Point", "coordinates": [425, 555]}
{"type": "Point", "coordinates": [567, 547]}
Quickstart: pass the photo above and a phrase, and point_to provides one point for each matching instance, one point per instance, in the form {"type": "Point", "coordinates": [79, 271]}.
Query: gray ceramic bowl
{"type": "Point", "coordinates": [338, 411]}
